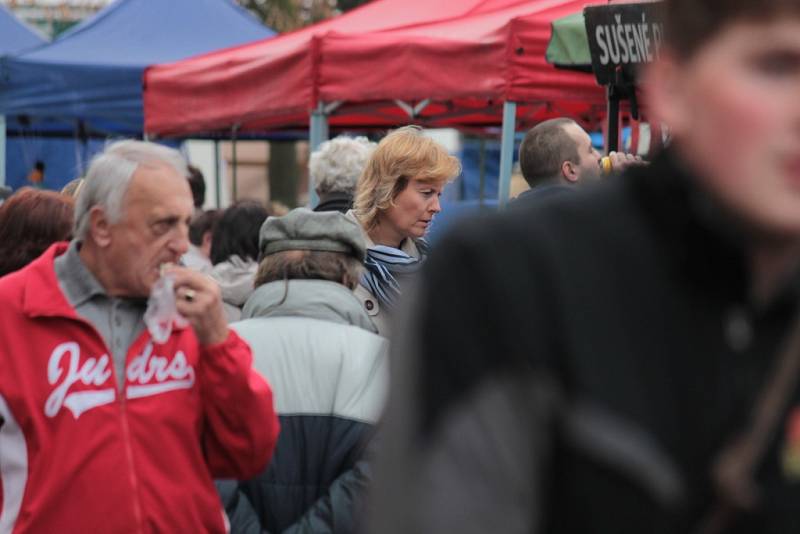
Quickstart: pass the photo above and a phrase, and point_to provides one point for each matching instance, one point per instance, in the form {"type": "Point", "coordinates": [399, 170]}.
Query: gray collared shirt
{"type": "Point", "coordinates": [118, 320]}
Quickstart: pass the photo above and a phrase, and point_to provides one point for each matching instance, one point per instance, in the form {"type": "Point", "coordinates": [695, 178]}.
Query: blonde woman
{"type": "Point", "coordinates": [397, 198]}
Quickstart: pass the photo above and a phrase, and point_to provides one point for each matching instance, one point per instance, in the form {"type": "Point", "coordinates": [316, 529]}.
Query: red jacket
{"type": "Point", "coordinates": [77, 454]}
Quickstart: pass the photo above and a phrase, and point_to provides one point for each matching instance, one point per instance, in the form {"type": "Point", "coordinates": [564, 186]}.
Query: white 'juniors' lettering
{"type": "Point", "coordinates": [148, 374]}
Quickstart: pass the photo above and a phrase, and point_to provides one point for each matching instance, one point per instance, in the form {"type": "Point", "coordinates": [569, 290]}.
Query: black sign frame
{"type": "Point", "coordinates": [622, 37]}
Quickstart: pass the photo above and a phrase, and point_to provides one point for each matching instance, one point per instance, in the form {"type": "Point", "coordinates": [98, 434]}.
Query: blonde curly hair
{"type": "Point", "coordinates": [405, 154]}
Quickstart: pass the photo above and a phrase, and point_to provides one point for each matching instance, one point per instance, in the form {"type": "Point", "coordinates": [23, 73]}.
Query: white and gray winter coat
{"type": "Point", "coordinates": [328, 368]}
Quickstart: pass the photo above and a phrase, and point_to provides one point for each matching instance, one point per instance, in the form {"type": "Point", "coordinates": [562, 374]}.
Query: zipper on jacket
{"type": "Point", "coordinates": [126, 431]}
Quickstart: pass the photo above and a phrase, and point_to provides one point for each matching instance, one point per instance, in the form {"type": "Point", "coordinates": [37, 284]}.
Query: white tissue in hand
{"type": "Point", "coordinates": [162, 313]}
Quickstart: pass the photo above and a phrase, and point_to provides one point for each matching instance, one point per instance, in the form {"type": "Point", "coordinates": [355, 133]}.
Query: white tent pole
{"type": "Point", "coordinates": [318, 133]}
{"type": "Point", "coordinates": [507, 152]}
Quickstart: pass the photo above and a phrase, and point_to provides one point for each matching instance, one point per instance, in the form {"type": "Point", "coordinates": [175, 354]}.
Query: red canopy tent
{"type": "Point", "coordinates": [431, 62]}
{"type": "Point", "coordinates": [457, 72]}
{"type": "Point", "coordinates": [464, 58]}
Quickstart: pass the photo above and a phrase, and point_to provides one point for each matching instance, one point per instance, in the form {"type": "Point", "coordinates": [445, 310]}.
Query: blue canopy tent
{"type": "Point", "coordinates": [88, 83]}
{"type": "Point", "coordinates": [15, 37]}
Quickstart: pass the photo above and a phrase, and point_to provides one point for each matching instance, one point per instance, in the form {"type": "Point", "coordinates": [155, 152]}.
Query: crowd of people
{"type": "Point", "coordinates": [612, 353]}
{"type": "Point", "coordinates": [158, 311]}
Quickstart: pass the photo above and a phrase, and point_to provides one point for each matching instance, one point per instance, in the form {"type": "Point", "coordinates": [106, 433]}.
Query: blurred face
{"type": "Point", "coordinates": [587, 168]}
{"type": "Point", "coordinates": [154, 229]}
{"type": "Point", "coordinates": [734, 112]}
{"type": "Point", "coordinates": [413, 209]}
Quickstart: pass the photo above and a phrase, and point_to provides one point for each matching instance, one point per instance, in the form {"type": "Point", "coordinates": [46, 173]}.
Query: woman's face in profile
{"type": "Point", "coordinates": [413, 208]}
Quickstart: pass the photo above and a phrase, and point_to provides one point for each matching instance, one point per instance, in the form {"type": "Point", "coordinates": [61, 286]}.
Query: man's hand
{"type": "Point", "coordinates": [199, 299]}
{"type": "Point", "coordinates": [620, 160]}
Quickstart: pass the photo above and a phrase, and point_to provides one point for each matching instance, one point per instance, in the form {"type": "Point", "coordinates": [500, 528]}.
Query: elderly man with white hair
{"type": "Point", "coordinates": [105, 427]}
{"type": "Point", "coordinates": [335, 167]}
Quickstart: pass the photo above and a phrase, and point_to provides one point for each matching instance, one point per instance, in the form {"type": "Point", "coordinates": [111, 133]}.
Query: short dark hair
{"type": "Point", "coordinates": [31, 221]}
{"type": "Point", "coordinates": [202, 223]}
{"type": "Point", "coordinates": [309, 265]}
{"type": "Point", "coordinates": [236, 233]}
{"type": "Point", "coordinates": [198, 185]}
{"type": "Point", "coordinates": [545, 147]}
{"type": "Point", "coordinates": [691, 24]}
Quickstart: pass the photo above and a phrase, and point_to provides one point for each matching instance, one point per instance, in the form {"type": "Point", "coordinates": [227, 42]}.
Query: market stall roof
{"type": "Point", "coordinates": [442, 63]}
{"type": "Point", "coordinates": [93, 72]}
{"type": "Point", "coordinates": [487, 57]}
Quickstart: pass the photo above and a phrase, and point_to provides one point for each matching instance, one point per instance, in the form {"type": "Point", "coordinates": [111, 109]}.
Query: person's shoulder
{"type": "Point", "coordinates": [10, 291]}
{"type": "Point", "coordinates": [12, 287]}
{"type": "Point", "coordinates": [252, 328]}
{"type": "Point", "coordinates": [301, 326]}
{"type": "Point", "coordinates": [566, 205]}
{"type": "Point", "coordinates": [541, 192]}
{"type": "Point", "coordinates": [593, 210]}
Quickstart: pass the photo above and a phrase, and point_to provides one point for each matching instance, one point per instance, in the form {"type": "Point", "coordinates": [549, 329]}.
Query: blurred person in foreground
{"type": "Point", "coordinates": [328, 369]}
{"type": "Point", "coordinates": [335, 167]}
{"type": "Point", "coordinates": [30, 221]}
{"type": "Point", "coordinates": [625, 360]}
{"type": "Point", "coordinates": [396, 200]}
{"type": "Point", "coordinates": [234, 251]}
{"type": "Point", "coordinates": [102, 428]}
{"type": "Point", "coordinates": [556, 155]}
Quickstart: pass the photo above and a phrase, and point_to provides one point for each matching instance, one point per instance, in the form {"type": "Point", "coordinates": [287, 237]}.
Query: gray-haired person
{"type": "Point", "coordinates": [318, 347]}
{"type": "Point", "coordinates": [335, 167]}
{"type": "Point", "coordinates": [96, 415]}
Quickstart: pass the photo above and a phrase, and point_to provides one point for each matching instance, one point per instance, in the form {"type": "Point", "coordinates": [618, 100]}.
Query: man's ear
{"type": "Point", "coordinates": [568, 172]}
{"type": "Point", "coordinates": [99, 227]}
